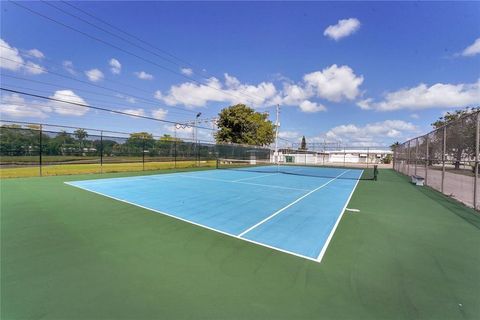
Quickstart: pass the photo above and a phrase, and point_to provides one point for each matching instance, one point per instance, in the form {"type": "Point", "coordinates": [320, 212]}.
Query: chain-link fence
{"type": "Point", "coordinates": [447, 158]}
{"type": "Point", "coordinates": [32, 150]}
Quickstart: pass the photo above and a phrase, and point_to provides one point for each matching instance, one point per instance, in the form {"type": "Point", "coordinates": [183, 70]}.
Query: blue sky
{"type": "Point", "coordinates": [362, 73]}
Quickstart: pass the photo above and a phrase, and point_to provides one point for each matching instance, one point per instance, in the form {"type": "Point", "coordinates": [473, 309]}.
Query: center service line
{"type": "Point", "coordinates": [289, 205]}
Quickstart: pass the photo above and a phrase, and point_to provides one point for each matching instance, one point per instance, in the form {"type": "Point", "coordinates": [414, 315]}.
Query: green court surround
{"type": "Point", "coordinates": [410, 253]}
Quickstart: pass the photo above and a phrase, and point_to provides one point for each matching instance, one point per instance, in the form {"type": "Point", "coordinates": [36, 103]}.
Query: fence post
{"type": "Point", "coordinates": [175, 152]}
{"type": "Point", "coordinates": [101, 151]}
{"type": "Point", "coordinates": [394, 160]}
{"type": "Point", "coordinates": [444, 148]}
{"type": "Point", "coordinates": [143, 153]}
{"type": "Point", "coordinates": [40, 151]}
{"type": "Point", "coordinates": [477, 141]}
{"type": "Point", "coordinates": [408, 158]}
{"type": "Point", "coordinates": [416, 155]}
{"type": "Point", "coordinates": [368, 155]}
{"type": "Point", "coordinates": [427, 159]}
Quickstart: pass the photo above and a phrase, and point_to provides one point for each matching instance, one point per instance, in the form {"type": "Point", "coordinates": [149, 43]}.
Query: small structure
{"type": "Point", "coordinates": [418, 180]}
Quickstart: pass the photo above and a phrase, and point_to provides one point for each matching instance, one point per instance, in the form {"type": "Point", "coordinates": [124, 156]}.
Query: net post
{"type": "Point", "coordinates": [375, 172]}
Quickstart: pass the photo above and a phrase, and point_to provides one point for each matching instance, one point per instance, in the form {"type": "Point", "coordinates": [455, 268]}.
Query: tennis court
{"type": "Point", "coordinates": [287, 208]}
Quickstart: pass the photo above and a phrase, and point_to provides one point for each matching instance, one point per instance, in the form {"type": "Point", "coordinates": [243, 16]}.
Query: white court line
{"type": "Point", "coordinates": [324, 249]}
{"type": "Point", "coordinates": [256, 177]}
{"type": "Point", "coordinates": [290, 204]}
{"type": "Point", "coordinates": [194, 223]}
{"type": "Point", "coordinates": [247, 183]}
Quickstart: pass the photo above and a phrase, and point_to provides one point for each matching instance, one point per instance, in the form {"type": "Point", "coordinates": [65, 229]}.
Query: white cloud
{"type": "Point", "coordinates": [66, 108]}
{"type": "Point", "coordinates": [115, 66]}
{"type": "Point", "coordinates": [472, 49]}
{"type": "Point", "coordinates": [68, 66]}
{"type": "Point", "coordinates": [35, 53]}
{"type": "Point", "coordinates": [186, 71]}
{"type": "Point", "coordinates": [137, 112]}
{"type": "Point", "coordinates": [439, 95]}
{"type": "Point", "coordinates": [311, 107]}
{"type": "Point", "coordinates": [94, 75]}
{"type": "Point", "coordinates": [33, 68]}
{"type": "Point", "coordinates": [365, 104]}
{"type": "Point", "coordinates": [414, 116]}
{"type": "Point", "coordinates": [14, 62]}
{"type": "Point", "coordinates": [143, 75]}
{"type": "Point", "coordinates": [160, 113]}
{"type": "Point", "coordinates": [131, 100]}
{"type": "Point", "coordinates": [334, 83]}
{"type": "Point", "coordinates": [197, 95]}
{"type": "Point", "coordinates": [295, 94]}
{"type": "Point", "coordinates": [14, 59]}
{"type": "Point", "coordinates": [370, 134]}
{"type": "Point", "coordinates": [15, 106]}
{"type": "Point", "coordinates": [343, 28]}
{"type": "Point", "coordinates": [289, 134]}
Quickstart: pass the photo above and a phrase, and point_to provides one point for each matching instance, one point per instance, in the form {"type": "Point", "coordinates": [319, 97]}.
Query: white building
{"type": "Point", "coordinates": [359, 156]}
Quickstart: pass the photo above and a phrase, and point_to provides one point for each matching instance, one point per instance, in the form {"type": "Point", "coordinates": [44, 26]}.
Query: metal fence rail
{"type": "Point", "coordinates": [447, 158]}
{"type": "Point", "coordinates": [50, 150]}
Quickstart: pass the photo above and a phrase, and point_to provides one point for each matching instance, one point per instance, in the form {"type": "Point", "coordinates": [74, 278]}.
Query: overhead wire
{"type": "Point", "coordinates": [138, 39]}
{"type": "Point", "coordinates": [96, 108]}
{"type": "Point", "coordinates": [121, 49]}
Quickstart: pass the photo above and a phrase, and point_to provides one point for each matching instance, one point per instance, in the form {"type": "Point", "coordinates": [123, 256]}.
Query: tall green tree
{"type": "Point", "coordinates": [80, 134]}
{"type": "Point", "coordinates": [242, 124]}
{"type": "Point", "coordinates": [139, 141]}
{"type": "Point", "coordinates": [460, 134]}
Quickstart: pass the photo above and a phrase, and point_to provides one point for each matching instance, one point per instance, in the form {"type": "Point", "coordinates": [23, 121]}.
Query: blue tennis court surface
{"type": "Point", "coordinates": [296, 214]}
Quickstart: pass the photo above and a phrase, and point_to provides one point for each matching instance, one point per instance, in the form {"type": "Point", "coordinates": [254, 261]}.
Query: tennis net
{"type": "Point", "coordinates": [322, 171]}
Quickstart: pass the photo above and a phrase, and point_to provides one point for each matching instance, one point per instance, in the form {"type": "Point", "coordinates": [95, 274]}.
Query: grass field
{"type": "Point", "coordinates": [410, 253]}
{"type": "Point", "coordinates": [69, 169]}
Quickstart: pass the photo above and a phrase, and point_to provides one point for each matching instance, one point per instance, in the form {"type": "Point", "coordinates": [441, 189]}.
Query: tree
{"type": "Point", "coordinates": [80, 134]}
{"type": "Point", "coordinates": [241, 124]}
{"type": "Point", "coordinates": [303, 144]}
{"type": "Point", "coordinates": [139, 141]}
{"type": "Point", "coordinates": [460, 134]}
{"type": "Point", "coordinates": [394, 145]}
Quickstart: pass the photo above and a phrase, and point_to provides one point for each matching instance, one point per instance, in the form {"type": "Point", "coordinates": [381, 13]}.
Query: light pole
{"type": "Point", "coordinates": [277, 126]}
{"type": "Point", "coordinates": [196, 138]}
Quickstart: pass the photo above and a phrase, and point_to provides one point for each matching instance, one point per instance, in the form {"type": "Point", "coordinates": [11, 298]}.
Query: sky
{"type": "Point", "coordinates": [361, 73]}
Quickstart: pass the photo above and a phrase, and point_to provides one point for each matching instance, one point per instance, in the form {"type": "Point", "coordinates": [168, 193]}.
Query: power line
{"type": "Point", "coordinates": [128, 34]}
{"type": "Point", "coordinates": [93, 107]}
{"type": "Point", "coordinates": [156, 103]}
{"type": "Point", "coordinates": [138, 39]}
{"type": "Point", "coordinates": [121, 49]}
{"type": "Point", "coordinates": [106, 31]}
{"type": "Point", "coordinates": [88, 83]}
{"type": "Point", "coordinates": [90, 99]}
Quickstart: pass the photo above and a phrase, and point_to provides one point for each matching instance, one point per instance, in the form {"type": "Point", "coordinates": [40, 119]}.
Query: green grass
{"type": "Point", "coordinates": [69, 169]}
{"type": "Point", "coordinates": [410, 253]}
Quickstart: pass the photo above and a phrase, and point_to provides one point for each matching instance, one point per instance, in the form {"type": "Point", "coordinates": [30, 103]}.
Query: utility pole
{"type": "Point", "coordinates": [277, 126]}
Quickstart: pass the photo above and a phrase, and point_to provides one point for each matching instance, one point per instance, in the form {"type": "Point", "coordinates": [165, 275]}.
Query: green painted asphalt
{"type": "Point", "coordinates": [410, 253]}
